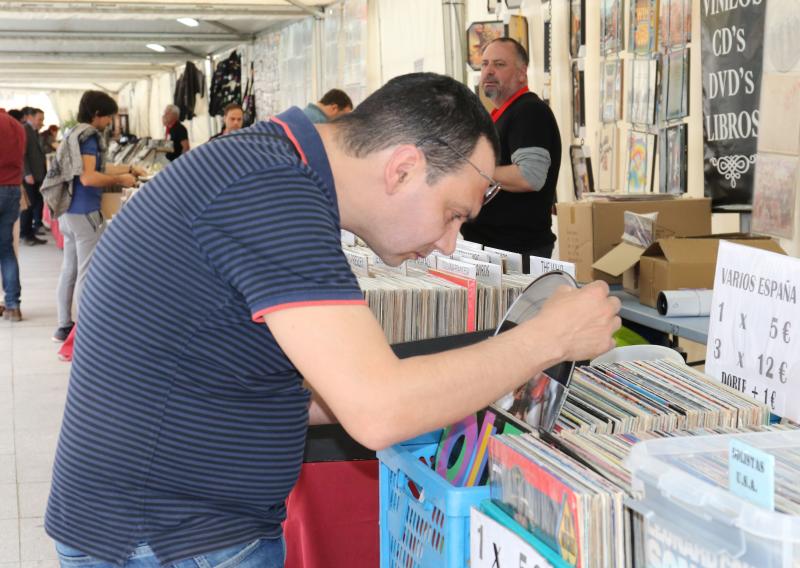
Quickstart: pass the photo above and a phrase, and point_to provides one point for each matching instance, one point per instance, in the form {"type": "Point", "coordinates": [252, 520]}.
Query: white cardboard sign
{"type": "Point", "coordinates": [754, 328]}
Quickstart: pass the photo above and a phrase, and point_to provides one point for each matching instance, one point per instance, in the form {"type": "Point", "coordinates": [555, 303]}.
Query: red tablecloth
{"type": "Point", "coordinates": [332, 516]}
{"type": "Point", "coordinates": [58, 238]}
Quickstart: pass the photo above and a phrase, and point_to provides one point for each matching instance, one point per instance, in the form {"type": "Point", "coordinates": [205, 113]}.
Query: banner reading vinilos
{"type": "Point", "coordinates": [732, 48]}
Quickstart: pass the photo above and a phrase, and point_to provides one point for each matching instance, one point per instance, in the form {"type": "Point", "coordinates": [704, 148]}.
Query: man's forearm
{"type": "Point", "coordinates": [512, 180]}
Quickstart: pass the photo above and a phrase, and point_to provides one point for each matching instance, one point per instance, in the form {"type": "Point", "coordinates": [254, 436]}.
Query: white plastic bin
{"type": "Point", "coordinates": [691, 519]}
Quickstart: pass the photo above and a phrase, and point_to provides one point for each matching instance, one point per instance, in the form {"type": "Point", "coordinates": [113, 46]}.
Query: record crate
{"type": "Point", "coordinates": [692, 519]}
{"type": "Point", "coordinates": [424, 520]}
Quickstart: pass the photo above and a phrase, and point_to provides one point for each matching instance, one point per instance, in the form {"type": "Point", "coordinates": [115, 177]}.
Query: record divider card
{"type": "Point", "coordinates": [754, 326]}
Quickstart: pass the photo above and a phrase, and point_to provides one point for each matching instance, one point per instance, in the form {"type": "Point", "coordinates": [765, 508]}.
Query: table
{"type": "Point", "coordinates": [691, 328]}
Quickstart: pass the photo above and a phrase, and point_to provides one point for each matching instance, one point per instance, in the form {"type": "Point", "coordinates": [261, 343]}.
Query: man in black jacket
{"type": "Point", "coordinates": [519, 219]}
{"type": "Point", "coordinates": [35, 168]}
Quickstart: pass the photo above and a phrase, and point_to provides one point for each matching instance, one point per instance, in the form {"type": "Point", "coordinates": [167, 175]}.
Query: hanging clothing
{"type": "Point", "coordinates": [187, 87]}
{"type": "Point", "coordinates": [226, 84]}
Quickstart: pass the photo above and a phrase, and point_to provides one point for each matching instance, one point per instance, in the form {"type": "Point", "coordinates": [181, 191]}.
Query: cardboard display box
{"type": "Point", "coordinates": [674, 263]}
{"type": "Point", "coordinates": [587, 230]}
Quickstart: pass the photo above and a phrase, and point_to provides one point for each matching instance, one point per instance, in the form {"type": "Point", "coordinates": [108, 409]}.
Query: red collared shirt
{"type": "Point", "coordinates": [12, 149]}
{"type": "Point", "coordinates": [498, 112]}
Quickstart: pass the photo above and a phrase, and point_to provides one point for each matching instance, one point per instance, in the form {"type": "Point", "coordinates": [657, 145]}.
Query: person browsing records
{"type": "Point", "coordinates": [82, 225]}
{"type": "Point", "coordinates": [519, 220]}
{"type": "Point", "coordinates": [175, 132]}
{"type": "Point", "coordinates": [186, 418]}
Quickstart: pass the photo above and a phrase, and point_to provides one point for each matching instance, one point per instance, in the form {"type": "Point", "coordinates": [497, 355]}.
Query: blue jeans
{"type": "Point", "coordinates": [261, 553]}
{"type": "Point", "coordinates": [9, 267]}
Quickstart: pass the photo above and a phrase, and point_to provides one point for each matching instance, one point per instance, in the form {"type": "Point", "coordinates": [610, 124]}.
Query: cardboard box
{"type": "Point", "coordinates": [623, 261]}
{"type": "Point", "coordinates": [587, 230]}
{"type": "Point", "coordinates": [674, 263]}
{"type": "Point", "coordinates": [110, 204]}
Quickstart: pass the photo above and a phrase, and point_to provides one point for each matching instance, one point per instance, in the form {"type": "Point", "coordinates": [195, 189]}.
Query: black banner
{"type": "Point", "coordinates": [732, 48]}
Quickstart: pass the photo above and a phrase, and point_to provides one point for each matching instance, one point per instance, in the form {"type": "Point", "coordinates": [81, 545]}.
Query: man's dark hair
{"type": "Point", "coordinates": [95, 103]}
{"type": "Point", "coordinates": [433, 112]}
{"type": "Point", "coordinates": [16, 113]}
{"type": "Point", "coordinates": [522, 54]}
{"type": "Point", "coordinates": [336, 97]}
{"type": "Point", "coordinates": [31, 111]}
{"type": "Point", "coordinates": [231, 106]}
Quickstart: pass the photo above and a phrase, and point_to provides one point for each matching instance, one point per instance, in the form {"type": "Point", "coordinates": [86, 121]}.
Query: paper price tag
{"type": "Point", "coordinates": [492, 545]}
{"type": "Point", "coordinates": [754, 326]}
{"type": "Point", "coordinates": [751, 474]}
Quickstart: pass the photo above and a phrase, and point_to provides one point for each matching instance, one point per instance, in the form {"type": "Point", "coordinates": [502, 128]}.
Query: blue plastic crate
{"type": "Point", "coordinates": [431, 530]}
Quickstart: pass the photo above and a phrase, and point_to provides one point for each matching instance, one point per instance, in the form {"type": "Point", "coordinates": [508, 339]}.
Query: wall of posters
{"type": "Point", "coordinates": [732, 51]}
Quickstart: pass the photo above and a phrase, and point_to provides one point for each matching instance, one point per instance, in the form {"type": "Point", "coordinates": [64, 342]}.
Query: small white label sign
{"type": "Point", "coordinates": [541, 265]}
{"type": "Point", "coordinates": [359, 263]}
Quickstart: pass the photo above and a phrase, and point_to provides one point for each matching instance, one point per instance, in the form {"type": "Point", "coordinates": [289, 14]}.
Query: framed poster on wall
{"type": "Point", "coordinates": [641, 154]}
{"type": "Point", "coordinates": [775, 194]}
{"type": "Point", "coordinates": [673, 160]}
{"type": "Point", "coordinates": [611, 91]}
{"type": "Point", "coordinates": [643, 21]}
{"type": "Point", "coordinates": [578, 103]}
{"type": "Point", "coordinates": [577, 27]}
{"type": "Point", "coordinates": [517, 29]}
{"type": "Point", "coordinates": [676, 84]}
{"type": "Point", "coordinates": [642, 100]}
{"type": "Point", "coordinates": [611, 28]}
{"type": "Point", "coordinates": [674, 23]}
{"type": "Point", "coordinates": [581, 171]}
{"type": "Point", "coordinates": [479, 34]}
{"type": "Point", "coordinates": [607, 158]}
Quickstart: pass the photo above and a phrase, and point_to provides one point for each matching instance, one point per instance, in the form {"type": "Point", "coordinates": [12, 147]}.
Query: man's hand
{"type": "Point", "coordinates": [138, 171]}
{"type": "Point", "coordinates": [126, 180]}
{"type": "Point", "coordinates": [29, 179]}
{"type": "Point", "coordinates": [582, 321]}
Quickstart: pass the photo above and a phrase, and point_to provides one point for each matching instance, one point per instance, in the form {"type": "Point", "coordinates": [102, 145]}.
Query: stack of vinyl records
{"type": "Point", "coordinates": [642, 396]}
{"type": "Point", "coordinates": [569, 491]}
{"type": "Point", "coordinates": [412, 304]}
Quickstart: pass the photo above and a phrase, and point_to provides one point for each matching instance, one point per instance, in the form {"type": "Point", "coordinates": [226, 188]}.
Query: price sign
{"type": "Point", "coordinates": [493, 545]}
{"type": "Point", "coordinates": [754, 325]}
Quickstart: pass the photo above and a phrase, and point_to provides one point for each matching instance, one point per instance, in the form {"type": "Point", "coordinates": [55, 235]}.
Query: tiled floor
{"type": "Point", "coordinates": [33, 386]}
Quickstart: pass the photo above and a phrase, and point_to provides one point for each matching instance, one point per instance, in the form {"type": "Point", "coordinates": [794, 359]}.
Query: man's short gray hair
{"type": "Point", "coordinates": [173, 109]}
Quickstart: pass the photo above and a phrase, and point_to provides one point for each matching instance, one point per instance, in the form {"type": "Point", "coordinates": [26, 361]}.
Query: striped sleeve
{"type": "Point", "coordinates": [273, 237]}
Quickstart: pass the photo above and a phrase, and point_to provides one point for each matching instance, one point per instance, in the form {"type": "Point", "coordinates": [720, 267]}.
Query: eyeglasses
{"type": "Point", "coordinates": [494, 186]}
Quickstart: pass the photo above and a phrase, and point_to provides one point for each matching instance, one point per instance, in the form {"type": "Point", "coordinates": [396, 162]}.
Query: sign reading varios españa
{"type": "Point", "coordinates": [732, 54]}
{"type": "Point", "coordinates": [754, 326]}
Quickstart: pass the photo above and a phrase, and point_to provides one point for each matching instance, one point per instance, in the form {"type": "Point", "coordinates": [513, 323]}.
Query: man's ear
{"type": "Point", "coordinates": [404, 161]}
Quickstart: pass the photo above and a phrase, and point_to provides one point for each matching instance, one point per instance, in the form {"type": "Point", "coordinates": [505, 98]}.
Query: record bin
{"type": "Point", "coordinates": [424, 520]}
{"type": "Point", "coordinates": [691, 519]}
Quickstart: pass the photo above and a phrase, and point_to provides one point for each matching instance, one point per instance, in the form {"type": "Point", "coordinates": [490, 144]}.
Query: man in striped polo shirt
{"type": "Point", "coordinates": [186, 414]}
